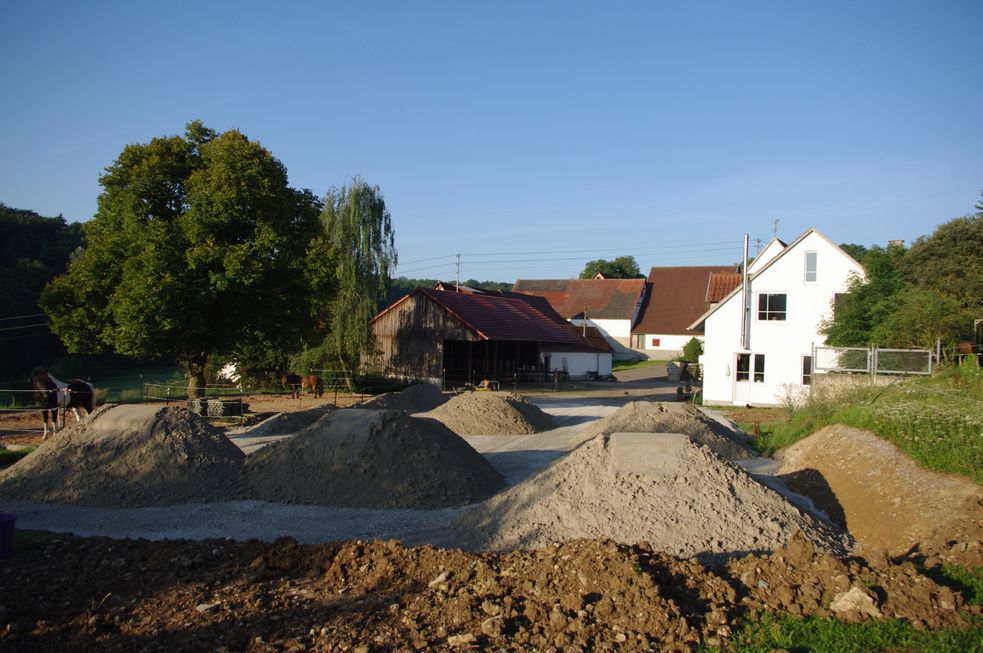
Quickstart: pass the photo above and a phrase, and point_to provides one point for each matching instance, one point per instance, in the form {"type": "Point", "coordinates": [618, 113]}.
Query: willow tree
{"type": "Point", "coordinates": [198, 248]}
{"type": "Point", "coordinates": [360, 241]}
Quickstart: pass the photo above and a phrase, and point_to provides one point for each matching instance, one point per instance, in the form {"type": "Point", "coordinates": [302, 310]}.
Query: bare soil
{"type": "Point", "coordinates": [94, 594]}
{"type": "Point", "coordinates": [885, 499]}
{"type": "Point", "coordinates": [492, 413]}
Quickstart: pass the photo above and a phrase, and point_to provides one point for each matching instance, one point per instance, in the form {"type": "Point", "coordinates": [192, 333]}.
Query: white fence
{"type": "Point", "coordinates": [874, 361]}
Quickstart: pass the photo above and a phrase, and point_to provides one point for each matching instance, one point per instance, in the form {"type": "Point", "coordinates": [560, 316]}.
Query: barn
{"type": "Point", "coordinates": [456, 338]}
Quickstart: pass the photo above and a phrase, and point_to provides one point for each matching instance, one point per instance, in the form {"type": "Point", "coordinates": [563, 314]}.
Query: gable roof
{"type": "Point", "coordinates": [493, 317]}
{"type": "Point", "coordinates": [677, 296]}
{"type": "Point", "coordinates": [695, 326]}
{"type": "Point", "coordinates": [604, 299]}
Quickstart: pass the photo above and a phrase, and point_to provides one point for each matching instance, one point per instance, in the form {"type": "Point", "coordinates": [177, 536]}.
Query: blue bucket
{"type": "Point", "coordinates": [7, 534]}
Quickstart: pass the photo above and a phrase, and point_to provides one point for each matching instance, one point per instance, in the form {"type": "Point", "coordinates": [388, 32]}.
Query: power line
{"type": "Point", "coordinates": [26, 326]}
{"type": "Point", "coordinates": [24, 317]}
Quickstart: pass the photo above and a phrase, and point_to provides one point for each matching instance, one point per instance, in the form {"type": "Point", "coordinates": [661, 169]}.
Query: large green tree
{"type": "Point", "coordinates": [623, 267]}
{"type": "Point", "coordinates": [358, 238]}
{"type": "Point", "coordinates": [199, 247]}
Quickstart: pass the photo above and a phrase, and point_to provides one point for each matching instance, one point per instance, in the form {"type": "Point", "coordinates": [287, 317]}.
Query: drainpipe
{"type": "Point", "coordinates": [745, 344]}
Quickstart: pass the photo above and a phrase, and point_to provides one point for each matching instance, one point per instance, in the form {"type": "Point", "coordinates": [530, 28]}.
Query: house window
{"type": "Point", "coordinates": [771, 306]}
{"type": "Point", "coordinates": [759, 368]}
{"type": "Point", "coordinates": [807, 370]}
{"type": "Point", "coordinates": [656, 342]}
{"type": "Point", "coordinates": [812, 261]}
{"type": "Point", "coordinates": [743, 366]}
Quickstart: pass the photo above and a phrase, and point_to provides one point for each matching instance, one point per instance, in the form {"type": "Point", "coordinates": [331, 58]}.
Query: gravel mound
{"type": "Point", "coordinates": [135, 455]}
{"type": "Point", "coordinates": [371, 459]}
{"type": "Point", "coordinates": [675, 417]}
{"type": "Point", "coordinates": [885, 499]}
{"type": "Point", "coordinates": [284, 423]}
{"type": "Point", "coordinates": [635, 487]}
{"type": "Point", "coordinates": [417, 398]}
{"type": "Point", "coordinates": [492, 413]}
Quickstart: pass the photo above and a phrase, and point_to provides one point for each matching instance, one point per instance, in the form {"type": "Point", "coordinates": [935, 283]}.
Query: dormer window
{"type": "Point", "coordinates": [812, 265]}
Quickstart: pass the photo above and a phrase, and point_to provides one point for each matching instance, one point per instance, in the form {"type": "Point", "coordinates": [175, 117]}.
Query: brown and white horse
{"type": "Point", "coordinates": [53, 396]}
{"type": "Point", "coordinates": [297, 383]}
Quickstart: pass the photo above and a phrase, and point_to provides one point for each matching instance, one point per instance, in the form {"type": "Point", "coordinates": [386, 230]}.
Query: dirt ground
{"type": "Point", "coordinates": [60, 592]}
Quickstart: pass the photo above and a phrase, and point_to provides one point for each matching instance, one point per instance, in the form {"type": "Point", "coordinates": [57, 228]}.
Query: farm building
{"type": "Point", "coordinates": [457, 338]}
{"type": "Point", "coordinates": [758, 344]}
{"type": "Point", "coordinates": [676, 296]}
{"type": "Point", "coordinates": [611, 305]}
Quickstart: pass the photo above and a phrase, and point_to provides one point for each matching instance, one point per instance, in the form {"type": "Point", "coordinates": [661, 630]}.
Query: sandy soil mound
{"type": "Point", "coordinates": [372, 459]}
{"type": "Point", "coordinates": [134, 455]}
{"type": "Point", "coordinates": [415, 399]}
{"type": "Point", "coordinates": [675, 417]}
{"type": "Point", "coordinates": [635, 487]}
{"type": "Point", "coordinates": [881, 496]}
{"type": "Point", "coordinates": [492, 413]}
{"type": "Point", "coordinates": [284, 423]}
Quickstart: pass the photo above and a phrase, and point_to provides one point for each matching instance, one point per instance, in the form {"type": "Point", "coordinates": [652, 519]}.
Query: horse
{"type": "Point", "coordinates": [54, 395]}
{"type": "Point", "coordinates": [297, 383]}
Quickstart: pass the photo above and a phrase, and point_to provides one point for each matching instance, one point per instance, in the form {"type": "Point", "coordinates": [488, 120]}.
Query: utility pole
{"type": "Point", "coordinates": [585, 321]}
{"type": "Point", "coordinates": [457, 284]}
{"type": "Point", "coordinates": [757, 247]}
{"type": "Point", "coordinates": [774, 227]}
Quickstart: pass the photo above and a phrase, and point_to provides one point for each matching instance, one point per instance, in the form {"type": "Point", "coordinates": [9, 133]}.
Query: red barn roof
{"type": "Point", "coordinates": [679, 295]}
{"type": "Point", "coordinates": [603, 299]}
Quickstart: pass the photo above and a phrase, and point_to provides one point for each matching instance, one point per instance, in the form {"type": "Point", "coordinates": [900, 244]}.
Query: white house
{"type": "Point", "coordinates": [758, 344]}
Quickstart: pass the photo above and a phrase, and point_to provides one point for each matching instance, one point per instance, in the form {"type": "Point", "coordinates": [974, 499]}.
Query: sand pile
{"type": "Point", "coordinates": [634, 487]}
{"type": "Point", "coordinates": [675, 417]}
{"type": "Point", "coordinates": [284, 423]}
{"type": "Point", "coordinates": [492, 413]}
{"type": "Point", "coordinates": [371, 459]}
{"type": "Point", "coordinates": [129, 456]}
{"type": "Point", "coordinates": [881, 496]}
{"type": "Point", "coordinates": [417, 398]}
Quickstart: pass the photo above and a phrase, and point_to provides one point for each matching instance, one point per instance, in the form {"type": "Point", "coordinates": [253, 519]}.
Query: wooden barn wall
{"type": "Point", "coordinates": [409, 339]}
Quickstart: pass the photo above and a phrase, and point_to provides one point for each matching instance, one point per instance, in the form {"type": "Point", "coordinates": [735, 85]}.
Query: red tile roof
{"type": "Point", "coordinates": [678, 296]}
{"type": "Point", "coordinates": [494, 317]}
{"type": "Point", "coordinates": [722, 283]}
{"type": "Point", "coordinates": [604, 299]}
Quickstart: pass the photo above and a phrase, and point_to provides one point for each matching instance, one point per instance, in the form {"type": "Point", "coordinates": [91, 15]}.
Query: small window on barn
{"type": "Point", "coordinates": [743, 367]}
{"type": "Point", "coordinates": [759, 368]}
{"type": "Point", "coordinates": [812, 262]}
{"type": "Point", "coordinates": [656, 342]}
{"type": "Point", "coordinates": [771, 306]}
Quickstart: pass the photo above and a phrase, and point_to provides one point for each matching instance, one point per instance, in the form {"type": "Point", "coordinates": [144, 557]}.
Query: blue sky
{"type": "Point", "coordinates": [527, 136]}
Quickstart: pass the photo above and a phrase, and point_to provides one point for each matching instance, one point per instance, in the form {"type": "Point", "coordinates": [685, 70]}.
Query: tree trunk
{"type": "Point", "coordinates": [348, 376]}
{"type": "Point", "coordinates": [196, 377]}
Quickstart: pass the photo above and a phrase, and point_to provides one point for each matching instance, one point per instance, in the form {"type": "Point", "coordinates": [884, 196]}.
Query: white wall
{"type": "Point", "coordinates": [620, 329]}
{"type": "Point", "coordinates": [667, 342]}
{"type": "Point", "coordinates": [580, 363]}
{"type": "Point", "coordinates": [783, 343]}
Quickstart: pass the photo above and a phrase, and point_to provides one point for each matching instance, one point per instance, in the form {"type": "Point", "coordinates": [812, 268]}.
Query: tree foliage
{"type": "Point", "coordinates": [359, 241]}
{"type": "Point", "coordinates": [623, 267]}
{"type": "Point", "coordinates": [198, 247]}
{"type": "Point", "coordinates": [913, 298]}
{"type": "Point", "coordinates": [33, 250]}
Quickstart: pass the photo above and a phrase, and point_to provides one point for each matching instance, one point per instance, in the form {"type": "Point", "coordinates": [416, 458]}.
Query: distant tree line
{"type": "Point", "coordinates": [913, 297]}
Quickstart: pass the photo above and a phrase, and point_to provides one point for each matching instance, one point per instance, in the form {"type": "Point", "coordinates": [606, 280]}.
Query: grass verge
{"type": "Point", "coordinates": [766, 633]}
{"type": "Point", "coordinates": [10, 456]}
{"type": "Point", "coordinates": [619, 366]}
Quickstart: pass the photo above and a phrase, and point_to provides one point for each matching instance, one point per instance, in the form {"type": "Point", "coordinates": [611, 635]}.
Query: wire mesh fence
{"type": "Point", "coordinates": [873, 361]}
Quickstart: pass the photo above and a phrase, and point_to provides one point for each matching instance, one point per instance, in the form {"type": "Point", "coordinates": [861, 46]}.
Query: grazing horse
{"type": "Point", "coordinates": [54, 395]}
{"type": "Point", "coordinates": [297, 383]}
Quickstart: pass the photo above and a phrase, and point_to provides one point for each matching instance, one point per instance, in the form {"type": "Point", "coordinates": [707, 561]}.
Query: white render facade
{"type": "Point", "coordinates": [578, 363]}
{"type": "Point", "coordinates": [789, 294]}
